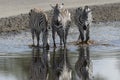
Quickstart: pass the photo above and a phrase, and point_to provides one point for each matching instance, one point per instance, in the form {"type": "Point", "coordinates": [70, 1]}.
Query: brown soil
{"type": "Point", "coordinates": [101, 13]}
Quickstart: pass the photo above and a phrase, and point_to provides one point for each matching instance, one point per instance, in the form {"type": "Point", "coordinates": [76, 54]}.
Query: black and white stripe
{"type": "Point", "coordinates": [83, 19]}
{"type": "Point", "coordinates": [39, 23]}
{"type": "Point", "coordinates": [60, 23]}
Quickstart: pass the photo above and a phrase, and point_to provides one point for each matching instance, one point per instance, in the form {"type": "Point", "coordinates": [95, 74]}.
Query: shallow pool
{"type": "Point", "coordinates": [97, 62]}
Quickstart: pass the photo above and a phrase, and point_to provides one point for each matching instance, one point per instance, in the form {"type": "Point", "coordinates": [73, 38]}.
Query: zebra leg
{"type": "Point", "coordinates": [61, 41]}
{"type": "Point", "coordinates": [67, 29]}
{"type": "Point", "coordinates": [82, 35]}
{"type": "Point", "coordinates": [64, 38]}
{"type": "Point", "coordinates": [33, 35]}
{"type": "Point", "coordinates": [53, 36]}
{"type": "Point", "coordinates": [60, 33]}
{"type": "Point", "coordinates": [65, 35]}
{"type": "Point", "coordinates": [45, 39]}
{"type": "Point", "coordinates": [87, 35]}
{"type": "Point", "coordinates": [79, 37]}
{"type": "Point", "coordinates": [38, 38]}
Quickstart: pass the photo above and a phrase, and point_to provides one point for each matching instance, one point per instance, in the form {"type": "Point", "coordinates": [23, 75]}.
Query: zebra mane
{"type": "Point", "coordinates": [37, 10]}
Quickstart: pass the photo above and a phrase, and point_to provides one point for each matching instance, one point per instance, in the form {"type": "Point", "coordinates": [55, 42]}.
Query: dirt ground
{"type": "Point", "coordinates": [101, 13]}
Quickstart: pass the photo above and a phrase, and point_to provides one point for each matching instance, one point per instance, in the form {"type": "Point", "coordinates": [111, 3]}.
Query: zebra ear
{"type": "Point", "coordinates": [29, 14]}
{"type": "Point", "coordinates": [52, 6]}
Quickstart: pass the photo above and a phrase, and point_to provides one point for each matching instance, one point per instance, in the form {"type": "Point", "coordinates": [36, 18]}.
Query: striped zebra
{"type": "Point", "coordinates": [83, 19]}
{"type": "Point", "coordinates": [61, 21]}
{"type": "Point", "coordinates": [39, 23]}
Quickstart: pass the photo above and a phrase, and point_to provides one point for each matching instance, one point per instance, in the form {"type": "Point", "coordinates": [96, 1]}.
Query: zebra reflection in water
{"type": "Point", "coordinates": [60, 66]}
{"type": "Point", "coordinates": [39, 66]}
{"type": "Point", "coordinates": [83, 65]}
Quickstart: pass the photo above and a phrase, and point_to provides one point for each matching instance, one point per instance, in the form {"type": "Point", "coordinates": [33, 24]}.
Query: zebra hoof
{"type": "Point", "coordinates": [47, 47]}
{"type": "Point", "coordinates": [55, 46]}
{"type": "Point", "coordinates": [87, 41]}
{"type": "Point", "coordinates": [31, 46]}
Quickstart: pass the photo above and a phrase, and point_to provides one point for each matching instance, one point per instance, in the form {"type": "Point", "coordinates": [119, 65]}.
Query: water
{"type": "Point", "coordinates": [99, 62]}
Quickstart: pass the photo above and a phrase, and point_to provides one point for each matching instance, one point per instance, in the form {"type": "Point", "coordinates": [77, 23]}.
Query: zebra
{"type": "Point", "coordinates": [61, 21]}
{"type": "Point", "coordinates": [83, 19]}
{"type": "Point", "coordinates": [39, 23]}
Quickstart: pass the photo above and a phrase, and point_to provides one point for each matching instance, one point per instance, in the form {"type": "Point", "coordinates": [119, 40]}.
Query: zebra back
{"type": "Point", "coordinates": [38, 19]}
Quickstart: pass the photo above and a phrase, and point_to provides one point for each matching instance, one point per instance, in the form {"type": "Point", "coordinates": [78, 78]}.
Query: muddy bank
{"type": "Point", "coordinates": [107, 12]}
{"type": "Point", "coordinates": [14, 23]}
{"type": "Point", "coordinates": [101, 13]}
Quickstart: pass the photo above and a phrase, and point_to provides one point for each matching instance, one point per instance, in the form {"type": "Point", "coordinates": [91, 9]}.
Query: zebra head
{"type": "Point", "coordinates": [86, 8]}
{"type": "Point", "coordinates": [56, 13]}
{"type": "Point", "coordinates": [79, 10]}
{"type": "Point", "coordinates": [83, 16]}
{"type": "Point", "coordinates": [56, 9]}
{"type": "Point", "coordinates": [60, 6]}
{"type": "Point", "coordinates": [78, 14]}
{"type": "Point", "coordinates": [87, 16]}
{"type": "Point", "coordinates": [61, 20]}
